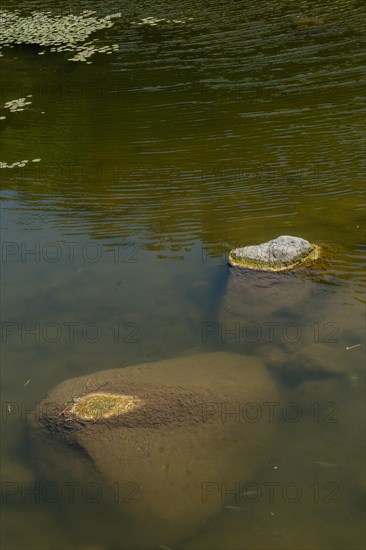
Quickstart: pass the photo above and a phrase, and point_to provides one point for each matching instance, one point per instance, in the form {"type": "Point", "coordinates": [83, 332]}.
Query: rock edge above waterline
{"type": "Point", "coordinates": [281, 254]}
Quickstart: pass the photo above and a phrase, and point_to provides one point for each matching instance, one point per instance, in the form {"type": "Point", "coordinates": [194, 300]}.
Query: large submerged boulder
{"type": "Point", "coordinates": [280, 254]}
{"type": "Point", "coordinates": [183, 432]}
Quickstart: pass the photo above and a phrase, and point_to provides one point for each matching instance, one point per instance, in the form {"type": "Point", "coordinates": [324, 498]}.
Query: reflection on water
{"type": "Point", "coordinates": [241, 124]}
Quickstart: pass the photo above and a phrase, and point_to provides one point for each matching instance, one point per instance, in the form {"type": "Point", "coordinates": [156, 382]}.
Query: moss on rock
{"type": "Point", "coordinates": [95, 406]}
{"type": "Point", "coordinates": [238, 261]}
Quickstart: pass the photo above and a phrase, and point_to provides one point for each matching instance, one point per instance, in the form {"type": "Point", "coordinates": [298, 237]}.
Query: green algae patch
{"type": "Point", "coordinates": [56, 32]}
{"type": "Point", "coordinates": [95, 406]}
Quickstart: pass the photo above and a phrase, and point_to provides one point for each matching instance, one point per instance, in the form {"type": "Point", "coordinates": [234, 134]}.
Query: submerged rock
{"type": "Point", "coordinates": [317, 361]}
{"type": "Point", "coordinates": [280, 254]}
{"type": "Point", "coordinates": [267, 284]}
{"type": "Point", "coordinates": [255, 297]}
{"type": "Point", "coordinates": [182, 431]}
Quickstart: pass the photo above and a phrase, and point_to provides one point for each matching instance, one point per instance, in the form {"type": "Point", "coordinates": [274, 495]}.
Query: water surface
{"type": "Point", "coordinates": [240, 124]}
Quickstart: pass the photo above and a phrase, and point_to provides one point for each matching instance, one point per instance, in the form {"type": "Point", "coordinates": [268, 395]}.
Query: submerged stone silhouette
{"type": "Point", "coordinates": [195, 427]}
{"type": "Point", "coordinates": [255, 297]}
{"type": "Point", "coordinates": [269, 281]}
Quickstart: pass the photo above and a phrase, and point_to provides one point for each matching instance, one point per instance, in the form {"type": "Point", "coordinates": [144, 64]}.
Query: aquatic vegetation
{"type": "Point", "coordinates": [95, 406]}
{"type": "Point", "coordinates": [18, 164]}
{"type": "Point", "coordinates": [154, 21]}
{"type": "Point", "coordinates": [16, 105]}
{"type": "Point", "coordinates": [59, 33]}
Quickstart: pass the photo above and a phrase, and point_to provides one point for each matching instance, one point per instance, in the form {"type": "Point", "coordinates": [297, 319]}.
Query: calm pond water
{"type": "Point", "coordinates": [241, 123]}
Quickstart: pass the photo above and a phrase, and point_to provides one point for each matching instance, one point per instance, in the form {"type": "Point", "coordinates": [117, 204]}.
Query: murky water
{"type": "Point", "coordinates": [240, 124]}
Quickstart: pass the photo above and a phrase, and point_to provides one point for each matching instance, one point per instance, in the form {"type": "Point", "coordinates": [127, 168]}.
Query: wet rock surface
{"type": "Point", "coordinates": [280, 254]}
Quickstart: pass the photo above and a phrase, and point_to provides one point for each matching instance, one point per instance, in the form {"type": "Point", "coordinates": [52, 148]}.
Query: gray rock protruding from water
{"type": "Point", "coordinates": [279, 254]}
{"type": "Point", "coordinates": [199, 432]}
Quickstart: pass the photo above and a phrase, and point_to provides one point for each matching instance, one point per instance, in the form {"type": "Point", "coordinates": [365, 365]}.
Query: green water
{"type": "Point", "coordinates": [233, 128]}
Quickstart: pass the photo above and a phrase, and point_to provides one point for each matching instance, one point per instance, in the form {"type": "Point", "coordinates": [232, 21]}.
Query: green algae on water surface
{"type": "Point", "coordinates": [60, 33]}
